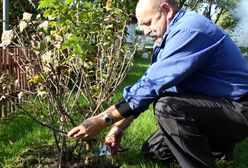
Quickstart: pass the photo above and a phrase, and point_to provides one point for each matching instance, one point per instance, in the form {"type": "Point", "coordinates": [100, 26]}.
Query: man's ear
{"type": "Point", "coordinates": [167, 8]}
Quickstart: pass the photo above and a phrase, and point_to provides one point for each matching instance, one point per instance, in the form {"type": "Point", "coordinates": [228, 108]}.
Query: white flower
{"type": "Point", "coordinates": [20, 95]}
{"type": "Point", "coordinates": [2, 98]}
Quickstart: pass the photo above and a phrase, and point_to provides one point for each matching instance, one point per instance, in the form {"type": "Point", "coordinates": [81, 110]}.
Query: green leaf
{"type": "Point", "coordinates": [69, 1]}
{"type": "Point", "coordinates": [109, 5]}
{"type": "Point", "coordinates": [65, 46]}
{"type": "Point", "coordinates": [89, 5]}
{"type": "Point", "coordinates": [77, 49]}
{"type": "Point", "coordinates": [53, 24]}
{"type": "Point", "coordinates": [35, 79]}
{"type": "Point", "coordinates": [47, 13]}
{"type": "Point", "coordinates": [46, 3]}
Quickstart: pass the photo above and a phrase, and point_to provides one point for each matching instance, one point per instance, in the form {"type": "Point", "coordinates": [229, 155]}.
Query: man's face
{"type": "Point", "coordinates": [153, 23]}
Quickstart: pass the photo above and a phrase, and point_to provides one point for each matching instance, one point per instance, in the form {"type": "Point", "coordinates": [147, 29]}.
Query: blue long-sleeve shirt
{"type": "Point", "coordinates": [196, 56]}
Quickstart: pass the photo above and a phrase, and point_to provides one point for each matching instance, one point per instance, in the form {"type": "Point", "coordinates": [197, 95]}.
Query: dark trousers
{"type": "Point", "coordinates": [193, 127]}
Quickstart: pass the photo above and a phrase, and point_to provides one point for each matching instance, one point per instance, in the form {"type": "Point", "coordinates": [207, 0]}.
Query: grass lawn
{"type": "Point", "coordinates": [20, 136]}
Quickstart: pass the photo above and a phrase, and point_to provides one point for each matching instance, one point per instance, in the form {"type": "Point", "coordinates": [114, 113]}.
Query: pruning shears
{"type": "Point", "coordinates": [105, 150]}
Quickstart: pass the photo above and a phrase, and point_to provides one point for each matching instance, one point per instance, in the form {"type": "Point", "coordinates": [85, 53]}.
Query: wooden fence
{"type": "Point", "coordinates": [9, 66]}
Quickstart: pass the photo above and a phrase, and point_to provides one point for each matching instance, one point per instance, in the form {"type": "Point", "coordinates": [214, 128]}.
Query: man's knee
{"type": "Point", "coordinates": [167, 106]}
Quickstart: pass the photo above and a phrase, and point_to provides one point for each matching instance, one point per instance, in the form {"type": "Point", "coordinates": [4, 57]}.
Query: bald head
{"type": "Point", "coordinates": [153, 5]}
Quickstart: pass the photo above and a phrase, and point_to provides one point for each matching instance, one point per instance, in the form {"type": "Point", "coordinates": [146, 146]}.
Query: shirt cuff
{"type": "Point", "coordinates": [124, 109]}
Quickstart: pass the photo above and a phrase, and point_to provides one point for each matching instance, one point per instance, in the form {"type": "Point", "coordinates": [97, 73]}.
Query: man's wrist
{"type": "Point", "coordinates": [107, 118]}
{"type": "Point", "coordinates": [117, 128]}
{"type": "Point", "coordinates": [112, 116]}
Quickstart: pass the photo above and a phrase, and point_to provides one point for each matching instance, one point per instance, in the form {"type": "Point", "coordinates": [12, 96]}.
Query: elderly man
{"type": "Point", "coordinates": [198, 82]}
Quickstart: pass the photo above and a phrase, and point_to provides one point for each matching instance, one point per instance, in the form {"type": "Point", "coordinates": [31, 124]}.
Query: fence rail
{"type": "Point", "coordinates": [8, 65]}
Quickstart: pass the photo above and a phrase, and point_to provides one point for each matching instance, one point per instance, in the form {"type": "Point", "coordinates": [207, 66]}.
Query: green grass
{"type": "Point", "coordinates": [19, 135]}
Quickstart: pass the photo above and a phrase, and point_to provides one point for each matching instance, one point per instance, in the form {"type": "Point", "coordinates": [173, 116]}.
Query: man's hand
{"type": "Point", "coordinates": [94, 125]}
{"type": "Point", "coordinates": [113, 140]}
{"type": "Point", "coordinates": [88, 129]}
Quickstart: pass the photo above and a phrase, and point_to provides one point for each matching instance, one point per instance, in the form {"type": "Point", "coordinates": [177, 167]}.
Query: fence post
{"type": "Point", "coordinates": [9, 66]}
{"type": "Point", "coordinates": [1, 89]}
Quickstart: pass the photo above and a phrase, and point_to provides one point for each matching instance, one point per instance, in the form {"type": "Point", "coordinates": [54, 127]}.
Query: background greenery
{"type": "Point", "coordinates": [220, 11]}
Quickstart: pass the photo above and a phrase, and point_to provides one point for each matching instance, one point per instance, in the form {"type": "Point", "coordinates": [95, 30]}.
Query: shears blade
{"type": "Point", "coordinates": [104, 150]}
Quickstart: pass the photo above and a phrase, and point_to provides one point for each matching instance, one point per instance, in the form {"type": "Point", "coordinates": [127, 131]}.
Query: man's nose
{"type": "Point", "coordinates": [147, 31]}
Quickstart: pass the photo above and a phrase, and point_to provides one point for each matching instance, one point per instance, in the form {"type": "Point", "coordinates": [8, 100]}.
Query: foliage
{"type": "Point", "coordinates": [244, 50]}
{"type": "Point", "coordinates": [217, 10]}
{"type": "Point", "coordinates": [227, 21]}
{"type": "Point", "coordinates": [74, 57]}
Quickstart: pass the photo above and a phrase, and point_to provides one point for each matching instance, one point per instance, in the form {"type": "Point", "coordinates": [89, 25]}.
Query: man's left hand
{"type": "Point", "coordinates": [113, 140]}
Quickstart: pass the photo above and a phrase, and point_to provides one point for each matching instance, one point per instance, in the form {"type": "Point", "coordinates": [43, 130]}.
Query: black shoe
{"type": "Point", "coordinates": [156, 149]}
{"type": "Point", "coordinates": [226, 154]}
